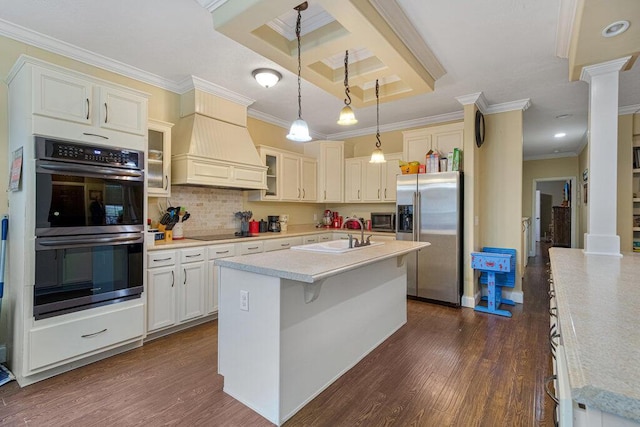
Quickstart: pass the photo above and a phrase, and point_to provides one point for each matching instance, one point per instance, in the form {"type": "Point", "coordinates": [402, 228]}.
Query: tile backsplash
{"type": "Point", "coordinates": [212, 209]}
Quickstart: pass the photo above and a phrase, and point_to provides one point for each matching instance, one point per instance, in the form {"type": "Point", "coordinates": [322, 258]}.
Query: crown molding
{"type": "Point", "coordinates": [392, 12]}
{"type": "Point", "coordinates": [193, 82]}
{"type": "Point", "coordinates": [318, 18]}
{"type": "Point", "coordinates": [612, 66]}
{"type": "Point", "coordinates": [551, 156]}
{"type": "Point", "coordinates": [268, 118]}
{"type": "Point", "coordinates": [566, 20]}
{"type": "Point", "coordinates": [407, 124]}
{"type": "Point", "coordinates": [59, 47]}
{"type": "Point", "coordinates": [521, 104]}
{"type": "Point", "coordinates": [629, 109]}
{"type": "Point", "coordinates": [211, 5]}
{"type": "Point", "coordinates": [475, 98]}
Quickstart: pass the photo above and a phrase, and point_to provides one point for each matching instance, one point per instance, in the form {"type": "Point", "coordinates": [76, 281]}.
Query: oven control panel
{"type": "Point", "coordinates": [79, 153]}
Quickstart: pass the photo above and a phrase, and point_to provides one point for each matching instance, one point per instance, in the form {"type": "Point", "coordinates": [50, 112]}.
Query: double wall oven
{"type": "Point", "coordinates": [89, 211]}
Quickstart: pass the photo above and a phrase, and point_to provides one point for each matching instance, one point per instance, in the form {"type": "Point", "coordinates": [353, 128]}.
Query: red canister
{"type": "Point", "coordinates": [254, 227]}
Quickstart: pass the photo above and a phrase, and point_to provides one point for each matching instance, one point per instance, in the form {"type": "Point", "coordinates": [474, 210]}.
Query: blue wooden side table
{"type": "Point", "coordinates": [497, 266]}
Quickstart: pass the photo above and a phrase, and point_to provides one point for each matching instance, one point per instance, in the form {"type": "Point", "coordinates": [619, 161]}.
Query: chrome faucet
{"type": "Point", "coordinates": [357, 243]}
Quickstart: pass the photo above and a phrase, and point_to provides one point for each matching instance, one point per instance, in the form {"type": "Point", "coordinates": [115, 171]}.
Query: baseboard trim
{"type": "Point", "coordinates": [471, 302]}
{"type": "Point", "coordinates": [515, 296]}
{"type": "Point", "coordinates": [172, 330]}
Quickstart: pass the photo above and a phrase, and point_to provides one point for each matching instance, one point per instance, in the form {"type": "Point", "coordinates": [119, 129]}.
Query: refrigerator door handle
{"type": "Point", "coordinates": [416, 215]}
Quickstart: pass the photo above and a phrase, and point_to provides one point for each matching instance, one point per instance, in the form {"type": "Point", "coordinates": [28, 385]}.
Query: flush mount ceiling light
{"type": "Point", "coordinates": [615, 28]}
{"type": "Point", "coordinates": [346, 114]}
{"type": "Point", "coordinates": [377, 156]}
{"type": "Point", "coordinates": [560, 135]}
{"type": "Point", "coordinates": [266, 77]}
{"type": "Point", "coordinates": [299, 131]}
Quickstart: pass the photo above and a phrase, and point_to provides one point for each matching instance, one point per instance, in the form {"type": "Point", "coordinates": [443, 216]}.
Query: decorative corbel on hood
{"type": "Point", "coordinates": [212, 146]}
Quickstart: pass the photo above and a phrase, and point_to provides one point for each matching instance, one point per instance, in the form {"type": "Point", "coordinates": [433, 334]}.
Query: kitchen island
{"type": "Point", "coordinates": [292, 322]}
{"type": "Point", "coordinates": [598, 305]}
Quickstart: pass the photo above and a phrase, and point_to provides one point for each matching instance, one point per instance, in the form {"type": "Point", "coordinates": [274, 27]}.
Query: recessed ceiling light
{"type": "Point", "coordinates": [560, 135]}
{"type": "Point", "coordinates": [563, 116]}
{"type": "Point", "coordinates": [556, 151]}
{"type": "Point", "coordinates": [615, 28]}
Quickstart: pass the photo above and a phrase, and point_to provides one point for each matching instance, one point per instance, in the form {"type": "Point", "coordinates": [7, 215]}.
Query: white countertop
{"type": "Point", "coordinates": [298, 230]}
{"type": "Point", "coordinates": [310, 267]}
{"type": "Point", "coordinates": [598, 299]}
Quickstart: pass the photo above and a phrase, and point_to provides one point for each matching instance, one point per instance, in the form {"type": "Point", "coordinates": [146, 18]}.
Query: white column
{"type": "Point", "coordinates": [601, 237]}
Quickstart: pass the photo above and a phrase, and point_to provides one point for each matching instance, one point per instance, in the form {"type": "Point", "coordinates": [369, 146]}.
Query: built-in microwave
{"type": "Point", "coordinates": [383, 221]}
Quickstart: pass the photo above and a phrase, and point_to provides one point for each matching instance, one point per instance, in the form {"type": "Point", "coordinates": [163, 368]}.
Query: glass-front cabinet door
{"type": "Point", "coordinates": [159, 159]}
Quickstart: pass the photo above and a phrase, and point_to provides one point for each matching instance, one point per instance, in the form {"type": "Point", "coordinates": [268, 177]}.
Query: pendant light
{"type": "Point", "coordinates": [299, 130]}
{"type": "Point", "coordinates": [377, 156]}
{"type": "Point", "coordinates": [346, 114]}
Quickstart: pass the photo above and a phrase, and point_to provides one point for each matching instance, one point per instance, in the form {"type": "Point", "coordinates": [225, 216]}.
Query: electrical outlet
{"type": "Point", "coordinates": [244, 300]}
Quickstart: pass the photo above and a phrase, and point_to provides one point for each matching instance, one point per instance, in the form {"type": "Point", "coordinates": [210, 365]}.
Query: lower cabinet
{"type": "Point", "coordinates": [215, 252]}
{"type": "Point", "coordinates": [89, 332]}
{"type": "Point", "coordinates": [281, 244]}
{"type": "Point", "coordinates": [175, 286]}
{"type": "Point", "coordinates": [161, 290]}
{"type": "Point", "coordinates": [192, 285]}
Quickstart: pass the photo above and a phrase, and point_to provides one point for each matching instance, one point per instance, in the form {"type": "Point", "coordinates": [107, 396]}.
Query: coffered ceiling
{"type": "Point", "coordinates": [405, 67]}
{"type": "Point", "coordinates": [510, 50]}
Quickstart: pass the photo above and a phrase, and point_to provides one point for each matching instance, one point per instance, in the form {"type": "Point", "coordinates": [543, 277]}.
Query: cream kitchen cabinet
{"type": "Point", "coordinates": [159, 159]}
{"type": "Point", "coordinates": [211, 292]}
{"type": "Point", "coordinates": [161, 289]}
{"type": "Point", "coordinates": [250, 247]}
{"type": "Point", "coordinates": [192, 285]}
{"type": "Point", "coordinates": [175, 285]}
{"type": "Point", "coordinates": [416, 143]}
{"type": "Point", "coordinates": [290, 176]}
{"type": "Point", "coordinates": [353, 180]}
{"type": "Point", "coordinates": [299, 178]}
{"type": "Point", "coordinates": [371, 182]}
{"type": "Point", "coordinates": [330, 156]}
{"type": "Point", "coordinates": [80, 99]}
{"type": "Point", "coordinates": [280, 244]}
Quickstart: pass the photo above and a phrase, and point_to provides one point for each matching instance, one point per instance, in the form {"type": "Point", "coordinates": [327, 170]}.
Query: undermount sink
{"type": "Point", "coordinates": [333, 246]}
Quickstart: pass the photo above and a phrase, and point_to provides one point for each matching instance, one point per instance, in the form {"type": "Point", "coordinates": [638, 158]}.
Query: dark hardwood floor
{"type": "Point", "coordinates": [445, 367]}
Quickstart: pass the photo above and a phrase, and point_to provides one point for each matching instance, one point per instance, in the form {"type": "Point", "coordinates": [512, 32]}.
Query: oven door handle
{"type": "Point", "coordinates": [51, 242]}
{"type": "Point", "coordinates": [94, 170]}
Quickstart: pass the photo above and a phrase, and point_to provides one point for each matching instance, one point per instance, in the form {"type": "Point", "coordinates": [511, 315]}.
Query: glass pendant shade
{"type": "Point", "coordinates": [377, 156]}
{"type": "Point", "coordinates": [299, 131]}
{"type": "Point", "coordinates": [347, 117]}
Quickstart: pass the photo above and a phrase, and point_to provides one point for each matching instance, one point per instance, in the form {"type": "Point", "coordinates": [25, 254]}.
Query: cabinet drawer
{"type": "Point", "coordinates": [251, 247]}
{"type": "Point", "coordinates": [325, 237]}
{"type": "Point", "coordinates": [56, 344]}
{"type": "Point", "coordinates": [161, 258]}
{"type": "Point", "coordinates": [280, 244]}
{"type": "Point", "coordinates": [222, 251]}
{"type": "Point", "coordinates": [192, 255]}
{"type": "Point", "coordinates": [309, 239]}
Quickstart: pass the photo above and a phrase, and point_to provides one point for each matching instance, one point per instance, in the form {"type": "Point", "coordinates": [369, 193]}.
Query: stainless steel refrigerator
{"type": "Point", "coordinates": [429, 209]}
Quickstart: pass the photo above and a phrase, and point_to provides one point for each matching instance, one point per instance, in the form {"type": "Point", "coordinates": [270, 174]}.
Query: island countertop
{"type": "Point", "coordinates": [598, 310]}
{"type": "Point", "coordinates": [309, 267]}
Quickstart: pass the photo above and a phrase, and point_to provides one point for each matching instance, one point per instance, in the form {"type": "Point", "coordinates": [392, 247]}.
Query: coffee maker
{"type": "Point", "coordinates": [274, 223]}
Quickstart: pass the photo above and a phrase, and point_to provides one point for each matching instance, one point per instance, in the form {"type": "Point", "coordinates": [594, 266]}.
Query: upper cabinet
{"type": "Point", "coordinates": [290, 176]}
{"type": "Point", "coordinates": [159, 159]}
{"type": "Point", "coordinates": [68, 97]}
{"type": "Point", "coordinates": [330, 156]}
{"type": "Point", "coordinates": [371, 182]}
{"type": "Point", "coordinates": [67, 104]}
{"type": "Point", "coordinates": [444, 138]}
{"type": "Point", "coordinates": [122, 111]}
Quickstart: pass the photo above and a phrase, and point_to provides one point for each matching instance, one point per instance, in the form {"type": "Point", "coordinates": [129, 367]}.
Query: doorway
{"type": "Point", "coordinates": [547, 193]}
